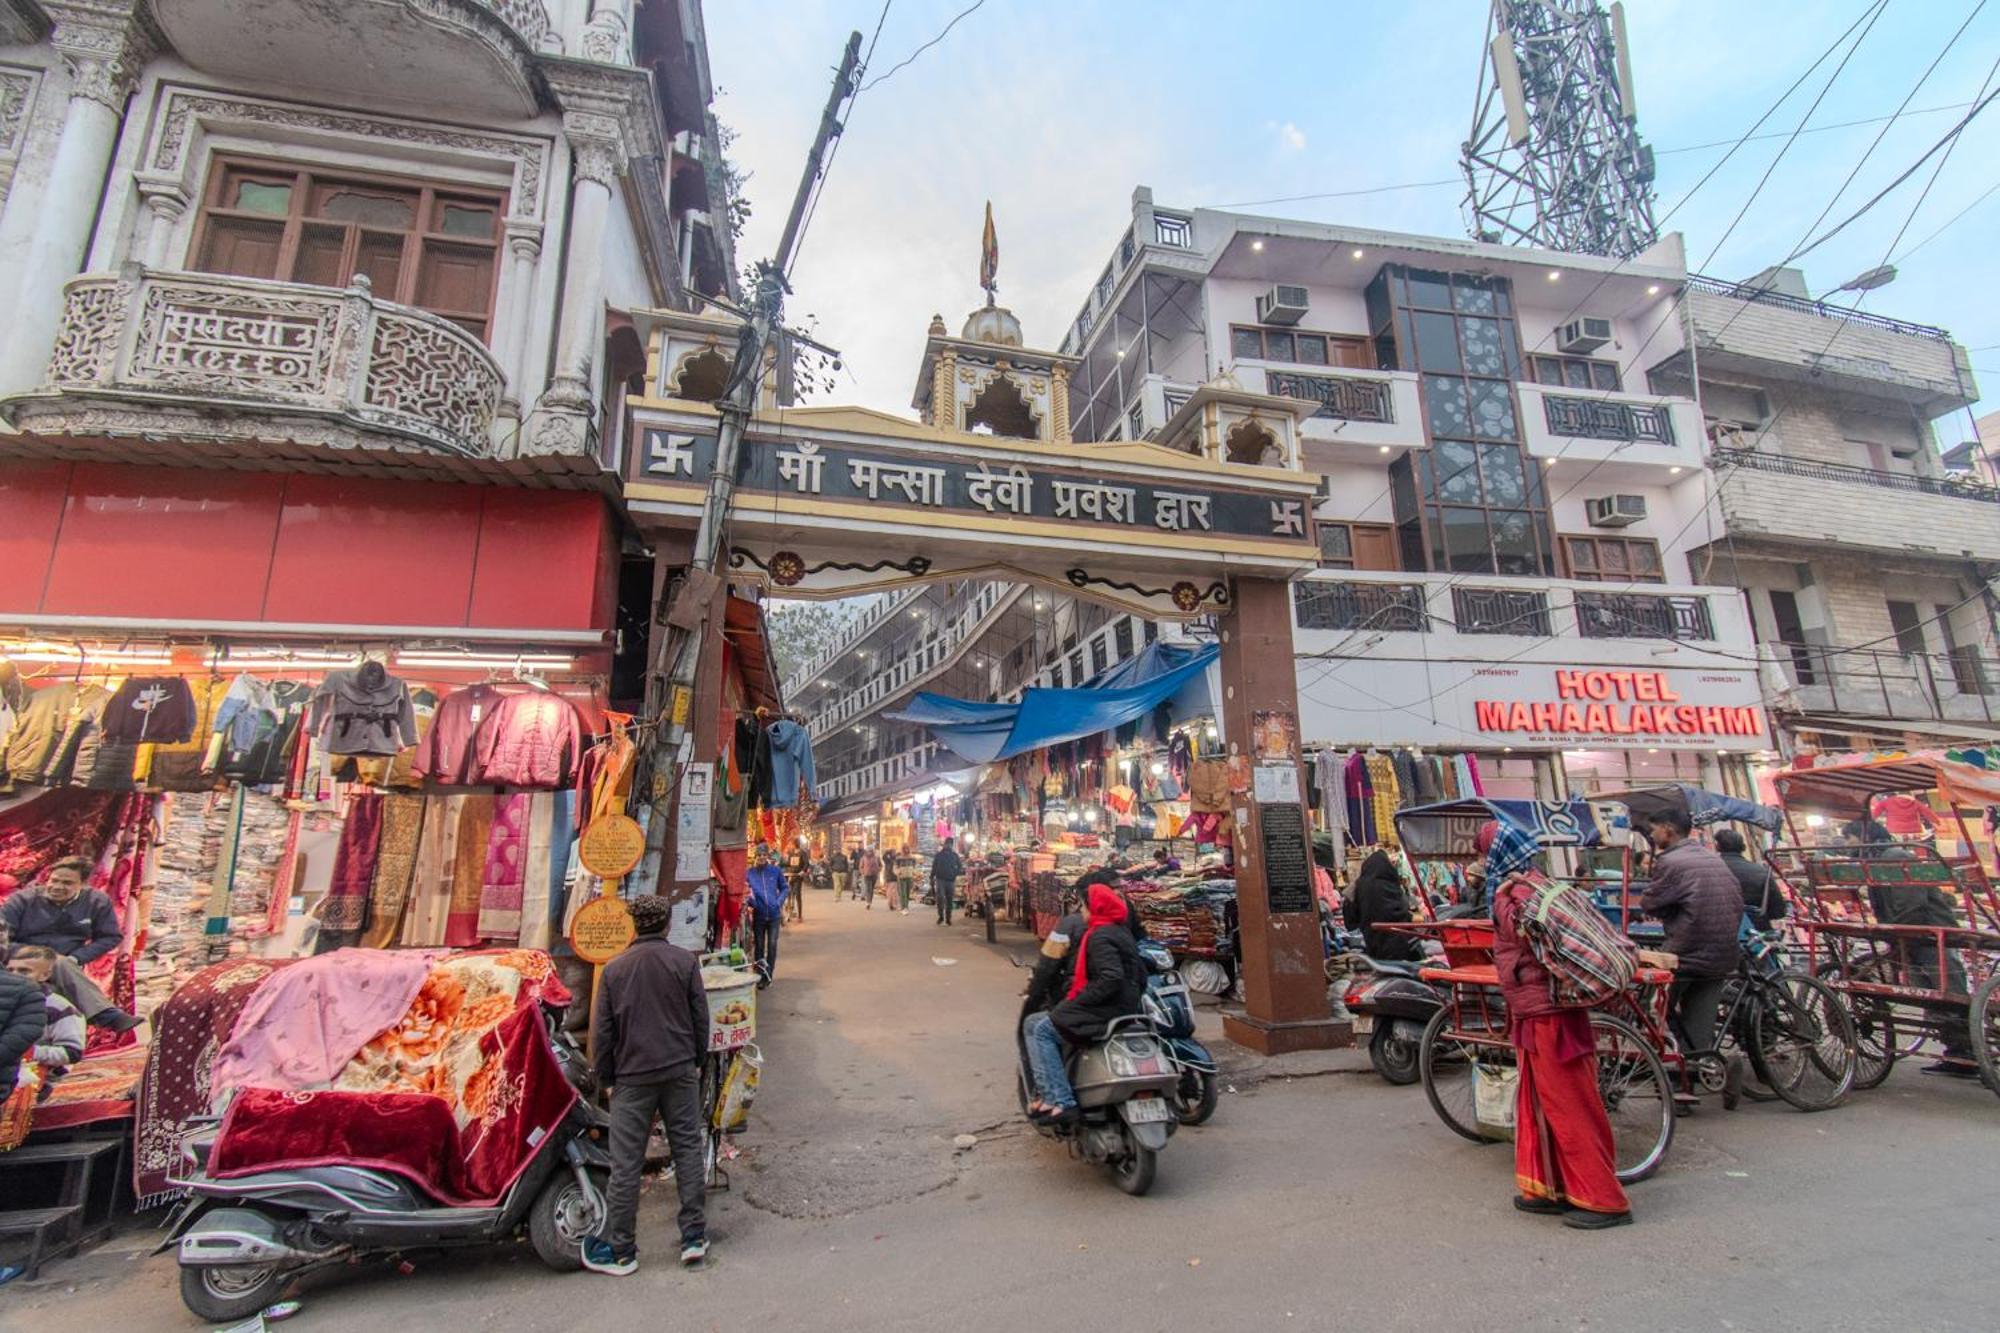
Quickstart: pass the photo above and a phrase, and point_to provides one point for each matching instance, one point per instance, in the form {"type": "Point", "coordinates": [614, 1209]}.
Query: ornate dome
{"type": "Point", "coordinates": [993, 324]}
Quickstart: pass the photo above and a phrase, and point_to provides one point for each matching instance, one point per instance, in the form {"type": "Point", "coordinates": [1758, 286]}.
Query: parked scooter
{"type": "Point", "coordinates": [244, 1238]}
{"type": "Point", "coordinates": [1125, 1086]}
{"type": "Point", "coordinates": [1170, 1006]}
{"type": "Point", "coordinates": [1390, 1006]}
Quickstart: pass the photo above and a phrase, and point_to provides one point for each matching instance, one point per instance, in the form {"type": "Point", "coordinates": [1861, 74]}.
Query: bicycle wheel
{"type": "Point", "coordinates": [1986, 1031]}
{"type": "Point", "coordinates": [1446, 1063]}
{"type": "Point", "coordinates": [1803, 1042]}
{"type": "Point", "coordinates": [1878, 1043]}
{"type": "Point", "coordinates": [1638, 1097]}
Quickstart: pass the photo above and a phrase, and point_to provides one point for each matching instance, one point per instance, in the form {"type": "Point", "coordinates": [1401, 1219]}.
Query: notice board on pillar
{"type": "Point", "coordinates": [1288, 884]}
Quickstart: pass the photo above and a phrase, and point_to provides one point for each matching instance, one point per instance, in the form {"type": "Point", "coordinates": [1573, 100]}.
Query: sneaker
{"type": "Point", "coordinates": [1587, 1221]}
{"type": "Point", "coordinates": [1950, 1069]}
{"type": "Point", "coordinates": [599, 1257]}
{"type": "Point", "coordinates": [694, 1251]}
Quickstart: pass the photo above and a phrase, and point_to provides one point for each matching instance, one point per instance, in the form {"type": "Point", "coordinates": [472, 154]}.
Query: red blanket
{"type": "Point", "coordinates": [517, 1099]}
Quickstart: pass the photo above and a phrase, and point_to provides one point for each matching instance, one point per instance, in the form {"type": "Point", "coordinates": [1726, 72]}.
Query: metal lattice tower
{"type": "Point", "coordinates": [1554, 159]}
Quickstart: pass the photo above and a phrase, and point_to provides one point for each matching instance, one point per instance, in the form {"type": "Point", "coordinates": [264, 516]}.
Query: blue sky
{"type": "Point", "coordinates": [1055, 111]}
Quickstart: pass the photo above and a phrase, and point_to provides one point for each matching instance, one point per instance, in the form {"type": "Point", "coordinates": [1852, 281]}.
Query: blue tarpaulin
{"type": "Point", "coordinates": [984, 733]}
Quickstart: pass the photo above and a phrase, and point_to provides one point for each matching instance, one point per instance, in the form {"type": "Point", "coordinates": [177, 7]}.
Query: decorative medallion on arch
{"type": "Point", "coordinates": [1251, 441]}
{"type": "Point", "coordinates": [1003, 409]}
{"type": "Point", "coordinates": [700, 376]}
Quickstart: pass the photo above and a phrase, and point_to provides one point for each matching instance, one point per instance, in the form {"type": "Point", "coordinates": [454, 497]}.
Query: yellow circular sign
{"type": "Point", "coordinates": [602, 929]}
{"type": "Point", "coordinates": [611, 846]}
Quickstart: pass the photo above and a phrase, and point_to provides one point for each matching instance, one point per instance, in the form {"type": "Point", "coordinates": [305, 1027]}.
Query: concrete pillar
{"type": "Point", "coordinates": [596, 156]}
{"type": "Point", "coordinates": [165, 206]}
{"type": "Point", "coordinates": [103, 61]}
{"type": "Point", "coordinates": [1284, 971]}
{"type": "Point", "coordinates": [524, 247]}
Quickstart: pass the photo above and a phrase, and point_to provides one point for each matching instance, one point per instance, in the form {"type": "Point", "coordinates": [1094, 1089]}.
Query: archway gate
{"type": "Point", "coordinates": [838, 502]}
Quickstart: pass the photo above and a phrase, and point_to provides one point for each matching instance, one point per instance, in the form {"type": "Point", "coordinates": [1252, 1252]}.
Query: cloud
{"type": "Point", "coordinates": [1290, 136]}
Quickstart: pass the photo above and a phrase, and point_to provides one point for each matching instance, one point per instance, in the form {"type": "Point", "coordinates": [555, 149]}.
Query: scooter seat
{"type": "Point", "coordinates": [1394, 967]}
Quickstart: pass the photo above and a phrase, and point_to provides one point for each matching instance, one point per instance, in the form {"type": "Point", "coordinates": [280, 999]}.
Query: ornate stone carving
{"type": "Point", "coordinates": [529, 18]}
{"type": "Point", "coordinates": [183, 106]}
{"type": "Point", "coordinates": [17, 99]}
{"type": "Point", "coordinates": [225, 338]}
{"type": "Point", "coordinates": [93, 320]}
{"type": "Point", "coordinates": [104, 46]}
{"type": "Point", "coordinates": [555, 431]}
{"type": "Point", "coordinates": [428, 373]}
{"type": "Point", "coordinates": [597, 160]}
{"type": "Point", "coordinates": [605, 39]}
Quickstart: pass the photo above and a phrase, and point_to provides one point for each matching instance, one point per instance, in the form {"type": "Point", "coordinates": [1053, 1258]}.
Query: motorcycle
{"type": "Point", "coordinates": [1124, 1087]}
{"type": "Point", "coordinates": [1169, 1005]}
{"type": "Point", "coordinates": [1390, 1005]}
{"type": "Point", "coordinates": [243, 1239]}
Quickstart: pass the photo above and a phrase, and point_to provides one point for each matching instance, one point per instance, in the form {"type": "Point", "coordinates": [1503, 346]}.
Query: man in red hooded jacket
{"type": "Point", "coordinates": [1107, 984]}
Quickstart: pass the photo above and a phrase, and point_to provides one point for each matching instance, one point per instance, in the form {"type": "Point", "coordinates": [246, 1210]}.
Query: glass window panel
{"type": "Point", "coordinates": [1514, 546]}
{"type": "Point", "coordinates": [1474, 298]}
{"type": "Point", "coordinates": [1445, 396]}
{"type": "Point", "coordinates": [1336, 545]}
{"type": "Point", "coordinates": [1548, 370]}
{"type": "Point", "coordinates": [474, 221]}
{"type": "Point", "coordinates": [273, 197]}
{"type": "Point", "coordinates": [1437, 342]}
{"type": "Point", "coordinates": [1458, 477]}
{"type": "Point", "coordinates": [1482, 347]}
{"type": "Point", "coordinates": [1430, 290]}
{"type": "Point", "coordinates": [1403, 485]}
{"type": "Point", "coordinates": [1492, 408]}
{"type": "Point", "coordinates": [1604, 375]}
{"type": "Point", "coordinates": [1410, 536]}
{"type": "Point", "coordinates": [320, 258]}
{"type": "Point", "coordinates": [1613, 558]}
{"type": "Point", "coordinates": [1465, 541]}
{"type": "Point", "coordinates": [1645, 558]}
{"type": "Point", "coordinates": [342, 203]}
{"type": "Point", "coordinates": [1246, 344]}
{"type": "Point", "coordinates": [1582, 555]}
{"type": "Point", "coordinates": [1576, 374]}
{"type": "Point", "coordinates": [1311, 349]}
{"type": "Point", "coordinates": [1506, 479]}
{"type": "Point", "coordinates": [1278, 347]}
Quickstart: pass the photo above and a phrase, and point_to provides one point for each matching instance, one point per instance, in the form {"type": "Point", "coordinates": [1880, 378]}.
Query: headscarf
{"type": "Point", "coordinates": [1509, 851]}
{"type": "Point", "coordinates": [1107, 908]}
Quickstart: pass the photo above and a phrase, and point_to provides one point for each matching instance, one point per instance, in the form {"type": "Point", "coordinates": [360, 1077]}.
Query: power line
{"type": "Point", "coordinates": [1939, 171]}
{"type": "Point", "coordinates": [1984, 196]}
{"type": "Point", "coordinates": [942, 34]}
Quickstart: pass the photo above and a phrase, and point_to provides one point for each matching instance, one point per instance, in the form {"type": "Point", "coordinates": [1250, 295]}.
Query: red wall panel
{"type": "Point", "coordinates": [362, 551]}
{"type": "Point", "coordinates": [541, 560]}
{"type": "Point", "coordinates": [31, 507]}
{"type": "Point", "coordinates": [144, 541]}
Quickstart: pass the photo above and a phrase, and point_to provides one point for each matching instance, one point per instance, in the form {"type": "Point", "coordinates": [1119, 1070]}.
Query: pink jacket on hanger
{"type": "Point", "coordinates": [529, 740]}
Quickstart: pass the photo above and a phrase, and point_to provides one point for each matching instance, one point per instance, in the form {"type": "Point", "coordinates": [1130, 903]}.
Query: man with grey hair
{"type": "Point", "coordinates": [651, 1032]}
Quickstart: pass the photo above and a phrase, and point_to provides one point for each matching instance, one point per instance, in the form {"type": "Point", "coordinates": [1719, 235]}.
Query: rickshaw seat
{"type": "Point", "coordinates": [1468, 974]}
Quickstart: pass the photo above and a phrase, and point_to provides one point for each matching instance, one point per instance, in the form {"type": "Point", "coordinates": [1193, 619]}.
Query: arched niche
{"type": "Point", "coordinates": [1002, 408]}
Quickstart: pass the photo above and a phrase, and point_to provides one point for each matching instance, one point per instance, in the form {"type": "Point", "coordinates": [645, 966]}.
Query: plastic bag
{"type": "Point", "coordinates": [1493, 1096]}
{"type": "Point", "coordinates": [1206, 976]}
{"type": "Point", "coordinates": [739, 1089]}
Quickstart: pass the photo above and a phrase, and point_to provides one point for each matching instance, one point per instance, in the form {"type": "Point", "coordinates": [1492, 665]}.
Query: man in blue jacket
{"type": "Point", "coordinates": [768, 891]}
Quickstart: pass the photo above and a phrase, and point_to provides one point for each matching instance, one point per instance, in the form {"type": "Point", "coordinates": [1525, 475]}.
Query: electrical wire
{"type": "Point", "coordinates": [1986, 194]}
{"type": "Point", "coordinates": [942, 34]}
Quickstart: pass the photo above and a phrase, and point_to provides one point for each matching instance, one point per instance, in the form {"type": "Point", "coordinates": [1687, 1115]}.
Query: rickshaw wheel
{"type": "Point", "coordinates": [1638, 1097]}
{"type": "Point", "coordinates": [1877, 1042]}
{"type": "Point", "coordinates": [1986, 1031]}
{"type": "Point", "coordinates": [1445, 1064]}
{"type": "Point", "coordinates": [1804, 1009]}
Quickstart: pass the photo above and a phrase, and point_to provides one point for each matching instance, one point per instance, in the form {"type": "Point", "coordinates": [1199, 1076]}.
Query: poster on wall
{"type": "Point", "coordinates": [693, 825]}
{"type": "Point", "coordinates": [688, 927]}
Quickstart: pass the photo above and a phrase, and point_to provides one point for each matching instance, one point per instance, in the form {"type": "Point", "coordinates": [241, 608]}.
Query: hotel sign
{"type": "Point", "coordinates": [894, 483]}
{"type": "Point", "coordinates": [1592, 706]}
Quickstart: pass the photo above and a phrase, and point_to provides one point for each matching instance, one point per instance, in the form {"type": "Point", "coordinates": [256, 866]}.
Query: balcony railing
{"type": "Point", "coordinates": [1962, 685]}
{"type": "Point", "coordinates": [1800, 305]}
{"type": "Point", "coordinates": [279, 347]}
{"type": "Point", "coordinates": [1343, 397]}
{"type": "Point", "coordinates": [1603, 615]}
{"type": "Point", "coordinates": [1500, 611]}
{"type": "Point", "coordinates": [1959, 488]}
{"type": "Point", "coordinates": [1608, 419]}
{"type": "Point", "coordinates": [1375, 606]}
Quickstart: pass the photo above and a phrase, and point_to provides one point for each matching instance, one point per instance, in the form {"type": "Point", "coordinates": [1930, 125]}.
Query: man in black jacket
{"type": "Point", "coordinates": [23, 1016]}
{"type": "Point", "coordinates": [1763, 898]}
{"type": "Point", "coordinates": [65, 914]}
{"type": "Point", "coordinates": [946, 867]}
{"type": "Point", "coordinates": [1693, 894]}
{"type": "Point", "coordinates": [651, 1033]}
{"type": "Point", "coordinates": [1106, 983]}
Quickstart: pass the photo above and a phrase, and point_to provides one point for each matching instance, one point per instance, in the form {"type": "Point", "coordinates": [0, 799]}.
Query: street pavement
{"type": "Point", "coordinates": [1319, 1197]}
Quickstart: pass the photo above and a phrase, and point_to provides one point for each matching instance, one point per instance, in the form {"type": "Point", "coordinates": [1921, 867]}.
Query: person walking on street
{"type": "Point", "coordinates": [842, 871]}
{"type": "Point", "coordinates": [906, 878]}
{"type": "Point", "coordinates": [1564, 1159]}
{"type": "Point", "coordinates": [869, 867]}
{"type": "Point", "coordinates": [768, 891]}
{"type": "Point", "coordinates": [650, 1033]}
{"type": "Point", "coordinates": [945, 871]}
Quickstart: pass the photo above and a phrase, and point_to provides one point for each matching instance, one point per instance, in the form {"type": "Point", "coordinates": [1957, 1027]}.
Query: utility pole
{"type": "Point", "coordinates": [680, 650]}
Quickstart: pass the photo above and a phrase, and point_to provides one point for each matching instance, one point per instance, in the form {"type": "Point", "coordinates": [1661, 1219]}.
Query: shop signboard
{"type": "Point", "coordinates": [602, 929]}
{"type": "Point", "coordinates": [1288, 884]}
{"type": "Point", "coordinates": [611, 845]}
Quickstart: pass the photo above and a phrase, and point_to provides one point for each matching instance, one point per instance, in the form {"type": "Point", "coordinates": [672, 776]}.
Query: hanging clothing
{"type": "Point", "coordinates": [732, 792]}
{"type": "Point", "coordinates": [759, 766]}
{"type": "Point", "coordinates": [151, 708]}
{"type": "Point", "coordinates": [791, 761]}
{"type": "Point", "coordinates": [468, 872]}
{"type": "Point", "coordinates": [445, 756]}
{"type": "Point", "coordinates": [530, 740]}
{"type": "Point", "coordinates": [534, 933]}
{"type": "Point", "coordinates": [364, 710]}
{"type": "Point", "coordinates": [344, 911]}
{"type": "Point", "coordinates": [395, 867]}
{"type": "Point", "coordinates": [1180, 758]}
{"type": "Point", "coordinates": [506, 871]}
{"type": "Point", "coordinates": [430, 900]}
{"type": "Point", "coordinates": [39, 726]}
{"type": "Point", "coordinates": [1386, 797]}
{"type": "Point", "coordinates": [1208, 786]}
{"type": "Point", "coordinates": [400, 771]}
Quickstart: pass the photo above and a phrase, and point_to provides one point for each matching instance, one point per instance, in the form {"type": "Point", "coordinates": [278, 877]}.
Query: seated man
{"type": "Point", "coordinates": [62, 1040]}
{"type": "Point", "coordinates": [1912, 904]}
{"type": "Point", "coordinates": [1694, 895]}
{"type": "Point", "coordinates": [1763, 899]}
{"type": "Point", "coordinates": [80, 925]}
{"type": "Point", "coordinates": [1106, 983]}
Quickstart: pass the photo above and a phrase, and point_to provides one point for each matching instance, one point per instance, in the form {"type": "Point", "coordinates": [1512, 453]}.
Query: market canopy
{"type": "Point", "coordinates": [986, 732]}
{"type": "Point", "coordinates": [1702, 806]}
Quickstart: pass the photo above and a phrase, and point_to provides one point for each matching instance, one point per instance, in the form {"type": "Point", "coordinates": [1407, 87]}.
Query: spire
{"type": "Point", "coordinates": [989, 257]}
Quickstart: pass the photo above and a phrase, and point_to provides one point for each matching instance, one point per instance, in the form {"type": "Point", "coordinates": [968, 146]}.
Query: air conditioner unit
{"type": "Point", "coordinates": [1283, 305]}
{"type": "Point", "coordinates": [1615, 511]}
{"type": "Point", "coordinates": [1580, 337]}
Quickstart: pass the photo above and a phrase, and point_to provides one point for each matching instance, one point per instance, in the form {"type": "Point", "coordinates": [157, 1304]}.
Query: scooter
{"type": "Point", "coordinates": [1169, 1005]}
{"type": "Point", "coordinates": [242, 1239]}
{"type": "Point", "coordinates": [1124, 1087]}
{"type": "Point", "coordinates": [1390, 1005]}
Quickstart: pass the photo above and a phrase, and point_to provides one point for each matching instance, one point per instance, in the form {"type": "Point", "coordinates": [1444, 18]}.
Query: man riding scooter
{"type": "Point", "coordinates": [1106, 983]}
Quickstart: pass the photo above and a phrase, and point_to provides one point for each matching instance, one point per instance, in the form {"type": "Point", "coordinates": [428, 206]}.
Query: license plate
{"type": "Point", "coordinates": [1364, 1024]}
{"type": "Point", "coordinates": [1148, 1110]}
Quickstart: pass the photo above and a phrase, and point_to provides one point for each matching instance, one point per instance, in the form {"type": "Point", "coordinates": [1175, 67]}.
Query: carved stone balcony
{"type": "Point", "coordinates": [475, 54]}
{"type": "Point", "coordinates": [242, 367]}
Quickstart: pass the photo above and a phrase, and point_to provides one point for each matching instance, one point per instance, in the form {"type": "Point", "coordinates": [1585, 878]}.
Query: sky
{"type": "Point", "coordinates": [1056, 111]}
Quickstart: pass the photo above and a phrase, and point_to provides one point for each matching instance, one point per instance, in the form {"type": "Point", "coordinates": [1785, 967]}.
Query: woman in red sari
{"type": "Point", "coordinates": [1563, 1155]}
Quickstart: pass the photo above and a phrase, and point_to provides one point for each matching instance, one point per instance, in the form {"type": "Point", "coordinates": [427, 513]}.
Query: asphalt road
{"type": "Point", "coordinates": [1322, 1201]}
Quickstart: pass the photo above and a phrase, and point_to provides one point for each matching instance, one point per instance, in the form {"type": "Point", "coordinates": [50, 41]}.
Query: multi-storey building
{"type": "Point", "coordinates": [315, 324]}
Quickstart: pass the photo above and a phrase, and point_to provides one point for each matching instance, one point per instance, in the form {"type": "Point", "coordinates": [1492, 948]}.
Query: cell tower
{"type": "Point", "coordinates": [1554, 159]}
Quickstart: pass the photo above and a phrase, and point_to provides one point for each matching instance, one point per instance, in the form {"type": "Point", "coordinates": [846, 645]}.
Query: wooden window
{"type": "Point", "coordinates": [1613, 559]}
{"type": "Point", "coordinates": [1357, 546]}
{"type": "Point", "coordinates": [1574, 372]}
{"type": "Point", "coordinates": [1299, 347]}
{"type": "Point", "coordinates": [436, 249]}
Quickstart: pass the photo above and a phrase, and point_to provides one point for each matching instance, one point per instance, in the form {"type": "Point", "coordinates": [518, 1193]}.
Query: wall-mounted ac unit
{"type": "Point", "coordinates": [1282, 305]}
{"type": "Point", "coordinates": [1581, 337]}
{"type": "Point", "coordinates": [1615, 511]}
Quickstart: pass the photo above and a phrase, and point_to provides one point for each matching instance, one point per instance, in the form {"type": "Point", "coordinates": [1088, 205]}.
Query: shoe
{"type": "Point", "coordinates": [116, 1019]}
{"type": "Point", "coordinates": [1732, 1084]}
{"type": "Point", "coordinates": [1588, 1221]}
{"type": "Point", "coordinates": [599, 1257]}
{"type": "Point", "coordinates": [1950, 1069]}
{"type": "Point", "coordinates": [1539, 1205]}
{"type": "Point", "coordinates": [1067, 1117]}
{"type": "Point", "coordinates": [763, 983]}
{"type": "Point", "coordinates": [694, 1251]}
